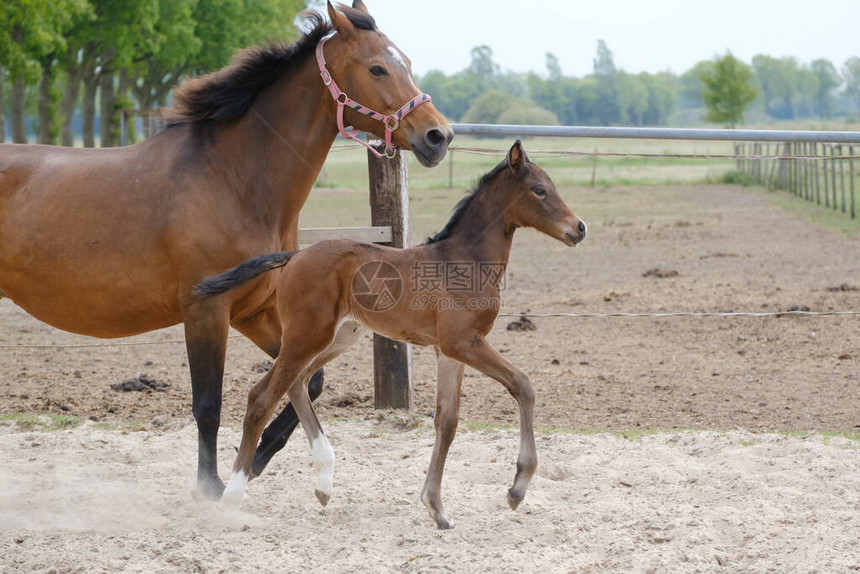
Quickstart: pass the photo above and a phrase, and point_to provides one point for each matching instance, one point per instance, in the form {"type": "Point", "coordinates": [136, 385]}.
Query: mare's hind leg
{"type": "Point", "coordinates": [474, 350]}
{"type": "Point", "coordinates": [264, 329]}
{"type": "Point", "coordinates": [449, 374]}
{"type": "Point", "coordinates": [308, 335]}
{"type": "Point", "coordinates": [206, 329]}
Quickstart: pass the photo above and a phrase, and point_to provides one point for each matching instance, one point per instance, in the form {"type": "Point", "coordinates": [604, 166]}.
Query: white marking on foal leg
{"type": "Point", "coordinates": [234, 494]}
{"type": "Point", "coordinates": [324, 463]}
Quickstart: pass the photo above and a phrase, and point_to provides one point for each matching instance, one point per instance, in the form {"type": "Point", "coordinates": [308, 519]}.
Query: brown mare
{"type": "Point", "coordinates": [382, 288]}
{"type": "Point", "coordinates": [110, 242]}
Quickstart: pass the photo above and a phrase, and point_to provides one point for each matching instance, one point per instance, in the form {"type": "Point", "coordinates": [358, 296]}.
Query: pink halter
{"type": "Point", "coordinates": [391, 122]}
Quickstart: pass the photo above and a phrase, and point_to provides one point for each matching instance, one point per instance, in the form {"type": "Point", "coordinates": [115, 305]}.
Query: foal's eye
{"type": "Point", "coordinates": [539, 191]}
{"type": "Point", "coordinates": [378, 71]}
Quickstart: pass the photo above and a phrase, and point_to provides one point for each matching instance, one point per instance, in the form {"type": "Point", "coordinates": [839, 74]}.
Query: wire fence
{"type": "Point", "coordinates": [528, 315]}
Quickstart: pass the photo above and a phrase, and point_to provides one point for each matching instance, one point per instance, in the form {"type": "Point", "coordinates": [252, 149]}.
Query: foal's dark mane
{"type": "Point", "coordinates": [229, 92]}
{"type": "Point", "coordinates": [463, 206]}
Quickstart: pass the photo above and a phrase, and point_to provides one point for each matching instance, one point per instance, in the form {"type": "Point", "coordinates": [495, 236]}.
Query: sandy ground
{"type": "Point", "coordinates": [113, 494]}
{"type": "Point", "coordinates": [91, 500]}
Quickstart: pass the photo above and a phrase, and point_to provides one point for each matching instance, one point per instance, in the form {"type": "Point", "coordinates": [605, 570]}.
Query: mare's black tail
{"type": "Point", "coordinates": [242, 273]}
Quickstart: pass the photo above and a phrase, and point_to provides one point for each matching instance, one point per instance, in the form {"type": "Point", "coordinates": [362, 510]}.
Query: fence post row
{"type": "Point", "coordinates": [800, 175]}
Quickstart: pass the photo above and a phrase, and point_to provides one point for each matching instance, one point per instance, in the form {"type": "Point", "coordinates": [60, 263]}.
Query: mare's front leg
{"type": "Point", "coordinates": [206, 327]}
{"type": "Point", "coordinates": [449, 374]}
{"type": "Point", "coordinates": [473, 349]}
{"type": "Point", "coordinates": [264, 330]}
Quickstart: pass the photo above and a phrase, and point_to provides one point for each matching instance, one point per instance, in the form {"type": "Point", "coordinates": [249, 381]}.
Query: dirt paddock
{"type": "Point", "coordinates": [717, 490]}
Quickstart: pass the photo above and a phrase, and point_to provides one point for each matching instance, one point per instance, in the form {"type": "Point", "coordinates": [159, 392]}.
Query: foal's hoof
{"type": "Point", "coordinates": [233, 499]}
{"type": "Point", "coordinates": [444, 523]}
{"type": "Point", "coordinates": [514, 499]}
{"type": "Point", "coordinates": [322, 497]}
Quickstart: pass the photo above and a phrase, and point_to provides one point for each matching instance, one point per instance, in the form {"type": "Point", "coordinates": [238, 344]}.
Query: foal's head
{"type": "Point", "coordinates": [374, 72]}
{"type": "Point", "coordinates": [530, 199]}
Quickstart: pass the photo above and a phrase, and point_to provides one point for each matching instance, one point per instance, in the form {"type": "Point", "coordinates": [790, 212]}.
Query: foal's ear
{"type": "Point", "coordinates": [339, 21]}
{"type": "Point", "coordinates": [359, 5]}
{"type": "Point", "coordinates": [517, 156]}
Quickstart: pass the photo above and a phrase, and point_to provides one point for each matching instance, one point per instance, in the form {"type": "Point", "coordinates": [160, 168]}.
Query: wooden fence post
{"type": "Point", "coordinates": [851, 165]}
{"type": "Point", "coordinates": [389, 205]}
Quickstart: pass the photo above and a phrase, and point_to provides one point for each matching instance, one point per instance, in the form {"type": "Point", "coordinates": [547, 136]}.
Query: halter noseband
{"type": "Point", "coordinates": [391, 122]}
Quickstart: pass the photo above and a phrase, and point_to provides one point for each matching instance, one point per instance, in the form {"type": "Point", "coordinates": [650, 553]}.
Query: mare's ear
{"type": "Point", "coordinates": [359, 5]}
{"type": "Point", "coordinates": [339, 21]}
{"type": "Point", "coordinates": [517, 156]}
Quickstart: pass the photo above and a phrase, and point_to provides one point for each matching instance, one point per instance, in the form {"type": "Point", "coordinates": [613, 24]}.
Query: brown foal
{"type": "Point", "coordinates": [444, 293]}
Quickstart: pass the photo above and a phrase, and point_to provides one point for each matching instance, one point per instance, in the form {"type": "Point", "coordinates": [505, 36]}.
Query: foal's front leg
{"type": "Point", "coordinates": [264, 329]}
{"type": "Point", "coordinates": [262, 400]}
{"type": "Point", "coordinates": [323, 455]}
{"type": "Point", "coordinates": [449, 374]}
{"type": "Point", "coordinates": [474, 350]}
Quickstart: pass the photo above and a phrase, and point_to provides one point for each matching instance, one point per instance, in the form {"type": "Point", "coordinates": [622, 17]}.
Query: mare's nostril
{"type": "Point", "coordinates": [435, 138]}
{"type": "Point", "coordinates": [581, 228]}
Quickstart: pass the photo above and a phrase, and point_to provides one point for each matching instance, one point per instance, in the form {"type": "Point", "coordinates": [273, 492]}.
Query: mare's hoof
{"type": "Point", "coordinates": [514, 499]}
{"type": "Point", "coordinates": [210, 489]}
{"type": "Point", "coordinates": [322, 497]}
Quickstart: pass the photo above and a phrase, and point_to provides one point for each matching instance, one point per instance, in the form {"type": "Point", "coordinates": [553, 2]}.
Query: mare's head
{"type": "Point", "coordinates": [532, 199]}
{"type": "Point", "coordinates": [372, 71]}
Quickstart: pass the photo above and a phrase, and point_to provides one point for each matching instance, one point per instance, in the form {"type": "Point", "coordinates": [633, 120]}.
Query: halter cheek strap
{"type": "Point", "coordinates": [391, 122]}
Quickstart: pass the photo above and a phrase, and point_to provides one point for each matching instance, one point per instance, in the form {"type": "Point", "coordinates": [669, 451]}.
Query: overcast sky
{"type": "Point", "coordinates": [644, 35]}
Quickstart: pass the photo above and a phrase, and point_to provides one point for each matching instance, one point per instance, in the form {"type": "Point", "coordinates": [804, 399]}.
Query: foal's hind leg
{"type": "Point", "coordinates": [449, 374]}
{"type": "Point", "coordinates": [474, 350]}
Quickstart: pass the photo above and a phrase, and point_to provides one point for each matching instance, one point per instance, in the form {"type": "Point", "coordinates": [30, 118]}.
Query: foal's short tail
{"type": "Point", "coordinates": [242, 273]}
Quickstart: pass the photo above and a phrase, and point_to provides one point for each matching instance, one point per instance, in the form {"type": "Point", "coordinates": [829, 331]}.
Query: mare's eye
{"type": "Point", "coordinates": [539, 191]}
{"type": "Point", "coordinates": [378, 71]}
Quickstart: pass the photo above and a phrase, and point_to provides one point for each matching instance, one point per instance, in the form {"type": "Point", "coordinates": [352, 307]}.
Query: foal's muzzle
{"type": "Point", "coordinates": [577, 235]}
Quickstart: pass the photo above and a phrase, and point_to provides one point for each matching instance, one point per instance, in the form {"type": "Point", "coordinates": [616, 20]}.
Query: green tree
{"type": "Point", "coordinates": [488, 107]}
{"type": "Point", "coordinates": [828, 80]}
{"type": "Point", "coordinates": [524, 112]}
{"type": "Point", "coordinates": [807, 91]}
{"type": "Point", "coordinates": [484, 70]}
{"type": "Point", "coordinates": [452, 95]}
{"type": "Point", "coordinates": [32, 34]}
{"type": "Point", "coordinates": [728, 90]}
{"type": "Point", "coordinates": [632, 98]}
{"type": "Point", "coordinates": [607, 108]}
{"type": "Point", "coordinates": [171, 51]}
{"type": "Point", "coordinates": [662, 96]}
{"type": "Point", "coordinates": [691, 86]}
{"type": "Point", "coordinates": [497, 107]}
{"type": "Point", "coordinates": [851, 77]}
{"type": "Point", "coordinates": [778, 79]}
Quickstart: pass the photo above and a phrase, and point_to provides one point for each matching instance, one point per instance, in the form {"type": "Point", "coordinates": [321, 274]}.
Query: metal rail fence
{"type": "Point", "coordinates": [815, 165]}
